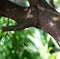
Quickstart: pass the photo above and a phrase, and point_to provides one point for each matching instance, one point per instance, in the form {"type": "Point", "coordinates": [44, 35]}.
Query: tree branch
{"type": "Point", "coordinates": [13, 11]}
{"type": "Point", "coordinates": [40, 14]}
{"type": "Point", "coordinates": [49, 20]}
{"type": "Point", "coordinates": [20, 14]}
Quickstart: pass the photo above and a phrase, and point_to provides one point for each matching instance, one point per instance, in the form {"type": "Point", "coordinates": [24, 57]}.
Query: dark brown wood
{"type": "Point", "coordinates": [39, 14]}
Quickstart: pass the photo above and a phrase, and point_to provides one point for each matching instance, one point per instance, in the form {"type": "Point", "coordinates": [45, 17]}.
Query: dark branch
{"type": "Point", "coordinates": [40, 14]}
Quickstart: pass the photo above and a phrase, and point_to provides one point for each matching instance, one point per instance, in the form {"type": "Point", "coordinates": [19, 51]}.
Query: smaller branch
{"type": "Point", "coordinates": [21, 26]}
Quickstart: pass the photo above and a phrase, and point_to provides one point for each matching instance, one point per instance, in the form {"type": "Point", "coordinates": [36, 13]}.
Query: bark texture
{"type": "Point", "coordinates": [39, 14]}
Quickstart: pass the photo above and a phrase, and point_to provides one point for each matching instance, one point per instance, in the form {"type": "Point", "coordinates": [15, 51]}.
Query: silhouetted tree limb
{"type": "Point", "coordinates": [39, 14]}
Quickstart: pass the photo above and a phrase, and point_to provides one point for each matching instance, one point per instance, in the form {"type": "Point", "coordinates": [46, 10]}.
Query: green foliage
{"type": "Point", "coordinates": [30, 43]}
{"type": "Point", "coordinates": [57, 5]}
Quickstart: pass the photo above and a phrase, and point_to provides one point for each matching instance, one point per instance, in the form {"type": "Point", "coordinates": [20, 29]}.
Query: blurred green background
{"type": "Point", "coordinates": [30, 43]}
